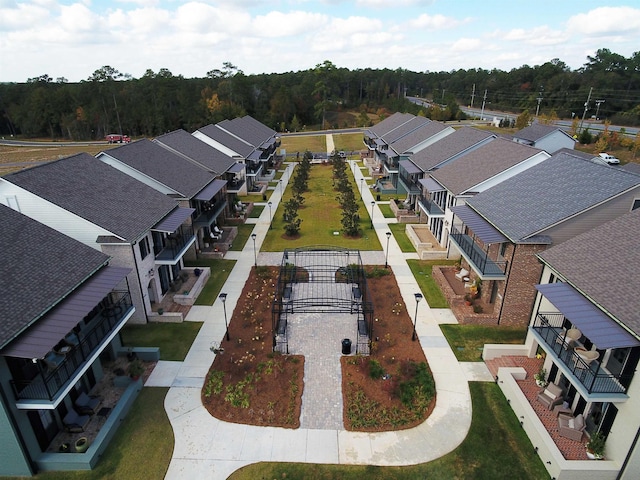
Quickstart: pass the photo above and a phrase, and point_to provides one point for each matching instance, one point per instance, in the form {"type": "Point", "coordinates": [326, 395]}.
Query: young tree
{"type": "Point", "coordinates": [523, 120]}
{"type": "Point", "coordinates": [290, 216]}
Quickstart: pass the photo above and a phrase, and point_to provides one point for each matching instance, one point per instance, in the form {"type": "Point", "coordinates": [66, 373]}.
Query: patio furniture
{"type": "Point", "coordinates": [87, 405]}
{"type": "Point", "coordinates": [570, 427]}
{"type": "Point", "coordinates": [461, 274]}
{"type": "Point", "coordinates": [562, 409]}
{"type": "Point", "coordinates": [53, 360]}
{"type": "Point", "coordinates": [75, 423]}
{"type": "Point", "coordinates": [587, 356]}
{"type": "Point", "coordinates": [550, 396]}
{"type": "Point", "coordinates": [573, 335]}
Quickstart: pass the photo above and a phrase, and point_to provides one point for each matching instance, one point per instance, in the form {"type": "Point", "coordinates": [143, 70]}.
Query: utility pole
{"type": "Point", "coordinates": [473, 94]}
{"type": "Point", "coordinates": [484, 99]}
{"type": "Point", "coordinates": [443, 90]}
{"type": "Point", "coordinates": [586, 107]}
{"type": "Point", "coordinates": [598, 102]}
{"type": "Point", "coordinates": [539, 100]}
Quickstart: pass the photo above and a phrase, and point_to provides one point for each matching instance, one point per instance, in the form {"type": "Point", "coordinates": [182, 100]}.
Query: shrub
{"type": "Point", "coordinates": [375, 369]}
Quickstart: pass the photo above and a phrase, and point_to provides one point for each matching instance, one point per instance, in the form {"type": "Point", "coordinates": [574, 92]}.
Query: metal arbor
{"type": "Point", "coordinates": [322, 279]}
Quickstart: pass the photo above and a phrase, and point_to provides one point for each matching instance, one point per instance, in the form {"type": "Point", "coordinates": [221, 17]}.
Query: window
{"type": "Point", "coordinates": [144, 247]}
{"type": "Point", "coordinates": [636, 204]}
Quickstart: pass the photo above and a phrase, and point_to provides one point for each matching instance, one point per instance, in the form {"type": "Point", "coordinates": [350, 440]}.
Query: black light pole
{"type": "Point", "coordinates": [280, 183]}
{"type": "Point", "coordinates": [223, 297]}
{"type": "Point", "coordinates": [270, 217]}
{"type": "Point", "coordinates": [386, 259]}
{"type": "Point", "coordinates": [255, 255]}
{"type": "Point", "coordinates": [361, 180]}
{"type": "Point", "coordinates": [372, 205]}
{"type": "Point", "coordinates": [415, 319]}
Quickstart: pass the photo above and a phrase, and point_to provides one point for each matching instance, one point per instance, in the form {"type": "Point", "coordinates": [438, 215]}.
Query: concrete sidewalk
{"type": "Point", "coordinates": [206, 447]}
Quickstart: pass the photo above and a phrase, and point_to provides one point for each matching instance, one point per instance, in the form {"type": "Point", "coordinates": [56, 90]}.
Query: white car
{"type": "Point", "coordinates": [610, 159]}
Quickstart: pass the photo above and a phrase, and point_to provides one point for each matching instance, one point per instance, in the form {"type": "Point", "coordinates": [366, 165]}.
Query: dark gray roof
{"type": "Point", "coordinates": [97, 192]}
{"type": "Point", "coordinates": [537, 131]}
{"type": "Point", "coordinates": [404, 129]}
{"type": "Point", "coordinates": [225, 138]}
{"type": "Point", "coordinates": [39, 267]}
{"type": "Point", "coordinates": [388, 124]}
{"type": "Point", "coordinates": [248, 129]}
{"type": "Point", "coordinates": [183, 143]}
{"type": "Point", "coordinates": [164, 166]}
{"type": "Point", "coordinates": [421, 134]}
{"type": "Point", "coordinates": [602, 264]}
{"type": "Point", "coordinates": [632, 167]}
{"type": "Point", "coordinates": [482, 163]}
{"type": "Point", "coordinates": [548, 193]}
{"type": "Point", "coordinates": [459, 142]}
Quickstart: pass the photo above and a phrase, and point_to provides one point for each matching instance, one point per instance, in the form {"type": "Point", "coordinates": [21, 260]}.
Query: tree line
{"type": "Point", "coordinates": [113, 102]}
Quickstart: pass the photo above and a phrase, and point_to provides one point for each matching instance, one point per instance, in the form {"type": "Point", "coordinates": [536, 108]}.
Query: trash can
{"type": "Point", "coordinates": [378, 197]}
{"type": "Point", "coordinates": [346, 346]}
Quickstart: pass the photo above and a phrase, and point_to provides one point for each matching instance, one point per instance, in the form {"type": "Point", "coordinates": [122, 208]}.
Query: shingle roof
{"type": "Point", "coordinates": [481, 164]}
{"type": "Point", "coordinates": [550, 192]}
{"type": "Point", "coordinates": [164, 166]}
{"type": "Point", "coordinates": [39, 267]}
{"type": "Point", "coordinates": [248, 129]}
{"type": "Point", "coordinates": [603, 264]}
{"type": "Point", "coordinates": [183, 143]}
{"type": "Point", "coordinates": [404, 129]}
{"type": "Point", "coordinates": [97, 192]}
{"type": "Point", "coordinates": [388, 124]}
{"type": "Point", "coordinates": [225, 138]}
{"type": "Point", "coordinates": [449, 147]}
{"type": "Point", "coordinates": [421, 134]}
{"type": "Point", "coordinates": [536, 132]}
{"type": "Point", "coordinates": [632, 167]}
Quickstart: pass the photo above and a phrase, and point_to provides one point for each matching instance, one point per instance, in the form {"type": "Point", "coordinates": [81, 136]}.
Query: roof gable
{"type": "Point", "coordinates": [388, 124]}
{"type": "Point", "coordinates": [537, 131]}
{"type": "Point", "coordinates": [418, 136]}
{"type": "Point", "coordinates": [225, 138]}
{"type": "Point", "coordinates": [183, 143]}
{"type": "Point", "coordinates": [449, 147]}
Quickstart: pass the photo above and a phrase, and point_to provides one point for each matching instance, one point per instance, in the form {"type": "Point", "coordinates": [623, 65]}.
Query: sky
{"type": "Point", "coordinates": [71, 39]}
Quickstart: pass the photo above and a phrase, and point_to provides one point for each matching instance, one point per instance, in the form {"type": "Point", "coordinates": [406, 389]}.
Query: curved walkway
{"type": "Point", "coordinates": [212, 448]}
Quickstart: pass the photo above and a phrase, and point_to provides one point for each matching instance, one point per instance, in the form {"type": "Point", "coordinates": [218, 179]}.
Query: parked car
{"type": "Point", "coordinates": [610, 159]}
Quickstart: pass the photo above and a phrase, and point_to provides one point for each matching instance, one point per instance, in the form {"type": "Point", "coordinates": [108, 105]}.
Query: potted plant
{"type": "Point", "coordinates": [541, 377]}
{"type": "Point", "coordinates": [136, 369]}
{"type": "Point", "coordinates": [468, 299]}
{"type": "Point", "coordinates": [82, 444]}
{"type": "Point", "coordinates": [595, 446]}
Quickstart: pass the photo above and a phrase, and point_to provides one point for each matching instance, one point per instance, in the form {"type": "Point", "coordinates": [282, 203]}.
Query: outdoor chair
{"type": "Point", "coordinates": [550, 396]}
{"type": "Point", "coordinates": [462, 273]}
{"type": "Point", "coordinates": [87, 405]}
{"type": "Point", "coordinates": [53, 360]}
{"type": "Point", "coordinates": [570, 427]}
{"type": "Point", "coordinates": [75, 423]}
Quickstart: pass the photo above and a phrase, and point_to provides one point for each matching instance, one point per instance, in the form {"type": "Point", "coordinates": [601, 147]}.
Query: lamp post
{"type": "Point", "coordinates": [361, 186]}
{"type": "Point", "coordinates": [386, 258]}
{"type": "Point", "coordinates": [255, 255]}
{"type": "Point", "coordinates": [372, 205]}
{"type": "Point", "coordinates": [270, 217]}
{"type": "Point", "coordinates": [415, 319]}
{"type": "Point", "coordinates": [280, 184]}
{"type": "Point", "coordinates": [223, 297]}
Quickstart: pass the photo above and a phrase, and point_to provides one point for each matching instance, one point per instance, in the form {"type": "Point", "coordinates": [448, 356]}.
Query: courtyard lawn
{"type": "Point", "coordinates": [321, 215]}
{"type": "Point", "coordinates": [256, 211]}
{"type": "Point", "coordinates": [174, 339]}
{"type": "Point", "coordinates": [495, 448]}
{"type": "Point", "coordinates": [244, 230]}
{"type": "Point", "coordinates": [141, 448]}
{"type": "Point", "coordinates": [302, 143]}
{"type": "Point", "coordinates": [386, 210]}
{"type": "Point", "coordinates": [467, 341]}
{"type": "Point", "coordinates": [421, 270]}
{"type": "Point", "coordinates": [348, 142]}
{"type": "Point", "coordinates": [220, 270]}
{"type": "Point", "coordinates": [398, 230]}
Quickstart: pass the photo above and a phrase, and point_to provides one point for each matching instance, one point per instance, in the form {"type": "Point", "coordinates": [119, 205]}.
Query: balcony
{"type": "Point", "coordinates": [430, 207]}
{"type": "Point", "coordinates": [411, 185]}
{"type": "Point", "coordinates": [48, 383]}
{"type": "Point", "coordinates": [548, 329]}
{"type": "Point", "coordinates": [487, 268]}
{"type": "Point", "coordinates": [171, 248]}
{"type": "Point", "coordinates": [207, 217]}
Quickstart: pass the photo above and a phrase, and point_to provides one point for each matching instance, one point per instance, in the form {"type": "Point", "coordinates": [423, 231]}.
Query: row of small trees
{"type": "Point", "coordinates": [350, 218]}
{"type": "Point", "coordinates": [299, 185]}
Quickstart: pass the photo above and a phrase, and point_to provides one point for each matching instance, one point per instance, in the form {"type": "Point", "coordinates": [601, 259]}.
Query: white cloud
{"type": "Point", "coordinates": [435, 22]}
{"type": "Point", "coordinates": [280, 24]}
{"type": "Point", "coordinates": [605, 21]}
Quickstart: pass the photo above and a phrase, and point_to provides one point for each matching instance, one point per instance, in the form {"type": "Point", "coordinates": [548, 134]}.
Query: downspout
{"type": "Point", "coordinates": [626, 459]}
{"type": "Point", "coordinates": [146, 315]}
{"type": "Point", "coordinates": [506, 285]}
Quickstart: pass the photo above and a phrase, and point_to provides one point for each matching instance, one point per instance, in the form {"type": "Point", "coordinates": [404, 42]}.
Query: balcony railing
{"type": "Point", "coordinates": [234, 185]}
{"type": "Point", "coordinates": [206, 218]}
{"type": "Point", "coordinates": [591, 375]}
{"type": "Point", "coordinates": [431, 207]}
{"type": "Point", "coordinates": [480, 259]}
{"type": "Point", "coordinates": [392, 164]}
{"type": "Point", "coordinates": [411, 184]}
{"type": "Point", "coordinates": [46, 384]}
{"type": "Point", "coordinates": [174, 244]}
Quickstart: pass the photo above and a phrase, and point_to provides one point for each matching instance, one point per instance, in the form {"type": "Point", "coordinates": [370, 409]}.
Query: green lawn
{"type": "Point", "coordinates": [244, 230]}
{"type": "Point", "coordinates": [320, 216]}
{"type": "Point", "coordinates": [141, 448]}
{"type": "Point", "coordinates": [256, 211]}
{"type": "Point", "coordinates": [421, 270]}
{"type": "Point", "coordinates": [302, 143]}
{"type": "Point", "coordinates": [495, 448]}
{"type": "Point", "coordinates": [349, 142]}
{"type": "Point", "coordinates": [398, 230]}
{"type": "Point", "coordinates": [174, 339]}
{"type": "Point", "coordinates": [386, 210]}
{"type": "Point", "coordinates": [220, 270]}
{"type": "Point", "coordinates": [467, 341]}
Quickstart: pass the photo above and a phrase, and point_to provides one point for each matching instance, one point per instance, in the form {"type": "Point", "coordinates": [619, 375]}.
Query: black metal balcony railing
{"type": "Point", "coordinates": [391, 164]}
{"type": "Point", "coordinates": [49, 381]}
{"type": "Point", "coordinates": [234, 185]}
{"type": "Point", "coordinates": [174, 244]}
{"type": "Point", "coordinates": [477, 256]}
{"type": "Point", "coordinates": [411, 184]}
{"type": "Point", "coordinates": [430, 206]}
{"type": "Point", "coordinates": [207, 217]}
{"type": "Point", "coordinates": [591, 375]}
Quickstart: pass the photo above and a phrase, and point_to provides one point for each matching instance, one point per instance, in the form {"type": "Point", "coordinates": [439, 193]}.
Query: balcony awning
{"type": "Point", "coordinates": [236, 167]}
{"type": "Point", "coordinates": [208, 192]}
{"type": "Point", "coordinates": [592, 322]}
{"type": "Point", "coordinates": [483, 229]}
{"type": "Point", "coordinates": [409, 167]}
{"type": "Point", "coordinates": [171, 222]}
{"type": "Point", "coordinates": [255, 155]}
{"type": "Point", "coordinates": [41, 337]}
{"type": "Point", "coordinates": [431, 185]}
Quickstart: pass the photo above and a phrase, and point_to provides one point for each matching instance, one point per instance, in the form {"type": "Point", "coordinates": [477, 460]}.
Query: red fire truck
{"type": "Point", "coordinates": [117, 138]}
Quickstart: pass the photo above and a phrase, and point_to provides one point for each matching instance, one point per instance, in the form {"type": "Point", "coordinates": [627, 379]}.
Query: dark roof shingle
{"type": "Point", "coordinates": [183, 143]}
